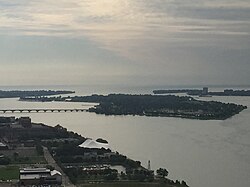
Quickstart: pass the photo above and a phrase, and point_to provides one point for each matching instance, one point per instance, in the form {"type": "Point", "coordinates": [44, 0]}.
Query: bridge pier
{"type": "Point", "coordinates": [40, 110]}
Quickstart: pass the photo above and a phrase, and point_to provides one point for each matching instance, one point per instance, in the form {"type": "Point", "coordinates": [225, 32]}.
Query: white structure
{"type": "Point", "coordinates": [57, 176]}
{"type": "Point", "coordinates": [89, 143]}
{"type": "Point", "coordinates": [3, 146]}
{"type": "Point", "coordinates": [205, 91]}
{"type": "Point", "coordinates": [39, 176]}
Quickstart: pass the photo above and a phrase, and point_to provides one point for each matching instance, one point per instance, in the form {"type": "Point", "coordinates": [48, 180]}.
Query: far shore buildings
{"type": "Point", "coordinates": [205, 91]}
{"type": "Point", "coordinates": [39, 177]}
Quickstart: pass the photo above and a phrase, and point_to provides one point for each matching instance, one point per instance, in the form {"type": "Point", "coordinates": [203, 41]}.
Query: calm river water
{"type": "Point", "coordinates": [203, 153]}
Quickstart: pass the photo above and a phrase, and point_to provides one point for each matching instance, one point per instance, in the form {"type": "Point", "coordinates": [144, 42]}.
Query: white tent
{"type": "Point", "coordinates": [89, 143]}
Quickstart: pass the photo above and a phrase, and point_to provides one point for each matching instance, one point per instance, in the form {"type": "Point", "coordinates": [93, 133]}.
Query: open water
{"type": "Point", "coordinates": [203, 153]}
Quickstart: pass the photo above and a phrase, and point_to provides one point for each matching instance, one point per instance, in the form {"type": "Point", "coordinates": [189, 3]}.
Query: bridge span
{"type": "Point", "coordinates": [43, 110]}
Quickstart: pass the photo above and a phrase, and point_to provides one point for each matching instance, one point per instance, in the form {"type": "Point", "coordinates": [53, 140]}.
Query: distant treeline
{"type": "Point", "coordinates": [227, 92]}
{"type": "Point", "coordinates": [35, 93]}
{"type": "Point", "coordinates": [154, 105]}
{"type": "Point", "coordinates": [230, 92]}
{"type": "Point", "coordinates": [177, 91]}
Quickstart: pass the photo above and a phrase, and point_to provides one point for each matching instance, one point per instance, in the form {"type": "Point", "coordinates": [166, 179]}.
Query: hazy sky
{"type": "Point", "coordinates": [160, 42]}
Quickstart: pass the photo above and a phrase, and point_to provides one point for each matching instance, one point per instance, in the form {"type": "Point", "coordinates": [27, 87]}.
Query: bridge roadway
{"type": "Point", "coordinates": [42, 110]}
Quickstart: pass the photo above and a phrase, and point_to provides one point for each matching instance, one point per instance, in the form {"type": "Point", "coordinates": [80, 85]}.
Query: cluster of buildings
{"type": "Point", "coordinates": [39, 176]}
{"type": "Point", "coordinates": [27, 176]}
{"type": "Point", "coordinates": [22, 121]}
{"type": "Point", "coordinates": [9, 123]}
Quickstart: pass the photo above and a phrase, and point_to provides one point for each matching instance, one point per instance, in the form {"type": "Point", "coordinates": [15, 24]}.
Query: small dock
{"type": "Point", "coordinates": [41, 110]}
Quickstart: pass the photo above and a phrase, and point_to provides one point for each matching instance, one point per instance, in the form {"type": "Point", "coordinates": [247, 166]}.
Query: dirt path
{"type": "Point", "coordinates": [65, 180]}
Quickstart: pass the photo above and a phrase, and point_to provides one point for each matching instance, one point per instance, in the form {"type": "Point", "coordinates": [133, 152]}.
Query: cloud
{"type": "Point", "coordinates": [77, 17]}
{"type": "Point", "coordinates": [160, 37]}
{"type": "Point", "coordinates": [110, 22]}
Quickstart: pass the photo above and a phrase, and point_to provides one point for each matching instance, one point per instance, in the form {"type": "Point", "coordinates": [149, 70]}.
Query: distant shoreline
{"type": "Point", "coordinates": [204, 92]}
{"type": "Point", "coordinates": [32, 93]}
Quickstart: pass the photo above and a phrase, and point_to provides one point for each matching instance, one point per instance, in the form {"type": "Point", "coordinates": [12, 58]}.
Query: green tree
{"type": "Point", "coordinates": [162, 172]}
{"type": "Point", "coordinates": [4, 160]}
{"type": "Point", "coordinates": [15, 155]}
{"type": "Point", "coordinates": [39, 149]}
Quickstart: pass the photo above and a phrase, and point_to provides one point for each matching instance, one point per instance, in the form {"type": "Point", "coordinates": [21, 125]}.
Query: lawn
{"type": "Point", "coordinates": [126, 184]}
{"type": "Point", "coordinates": [29, 160]}
{"type": "Point", "coordinates": [9, 173]}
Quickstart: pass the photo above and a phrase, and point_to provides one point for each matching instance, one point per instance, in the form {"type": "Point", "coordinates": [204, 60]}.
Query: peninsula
{"type": "Point", "coordinates": [63, 158]}
{"type": "Point", "coordinates": [153, 105]}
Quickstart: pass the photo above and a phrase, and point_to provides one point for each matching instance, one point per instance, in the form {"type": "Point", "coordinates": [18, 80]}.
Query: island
{"type": "Point", "coordinates": [34, 154]}
{"type": "Point", "coordinates": [204, 92]}
{"type": "Point", "coordinates": [153, 105]}
{"type": "Point", "coordinates": [34, 93]}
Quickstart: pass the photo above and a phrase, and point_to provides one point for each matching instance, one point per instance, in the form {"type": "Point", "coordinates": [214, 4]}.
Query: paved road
{"type": "Point", "coordinates": [65, 180]}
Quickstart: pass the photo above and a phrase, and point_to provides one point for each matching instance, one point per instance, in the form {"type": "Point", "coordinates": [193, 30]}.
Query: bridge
{"type": "Point", "coordinates": [42, 110]}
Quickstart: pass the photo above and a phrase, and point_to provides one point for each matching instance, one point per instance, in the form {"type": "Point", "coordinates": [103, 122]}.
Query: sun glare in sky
{"type": "Point", "coordinates": [125, 42]}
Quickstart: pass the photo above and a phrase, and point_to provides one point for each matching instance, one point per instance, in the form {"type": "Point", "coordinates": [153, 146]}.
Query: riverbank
{"type": "Point", "coordinates": [68, 153]}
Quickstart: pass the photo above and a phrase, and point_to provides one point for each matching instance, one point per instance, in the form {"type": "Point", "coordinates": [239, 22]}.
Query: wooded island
{"type": "Point", "coordinates": [153, 105]}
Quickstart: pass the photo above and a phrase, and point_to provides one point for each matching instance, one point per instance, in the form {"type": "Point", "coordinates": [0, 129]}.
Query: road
{"type": "Point", "coordinates": [65, 180]}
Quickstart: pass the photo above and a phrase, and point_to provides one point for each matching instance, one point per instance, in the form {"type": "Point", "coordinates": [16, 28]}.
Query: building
{"type": "Point", "coordinates": [3, 146]}
{"type": "Point", "coordinates": [7, 120]}
{"type": "Point", "coordinates": [39, 176]}
{"type": "Point", "coordinates": [205, 91]}
{"type": "Point", "coordinates": [92, 144]}
{"type": "Point", "coordinates": [25, 122]}
{"type": "Point", "coordinates": [109, 154]}
{"type": "Point", "coordinates": [90, 155]}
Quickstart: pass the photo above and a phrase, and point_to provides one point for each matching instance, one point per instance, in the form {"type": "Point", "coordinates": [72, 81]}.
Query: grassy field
{"type": "Point", "coordinates": [22, 151]}
{"type": "Point", "coordinates": [29, 160]}
{"type": "Point", "coordinates": [24, 155]}
{"type": "Point", "coordinates": [125, 184]}
{"type": "Point", "coordinates": [9, 172]}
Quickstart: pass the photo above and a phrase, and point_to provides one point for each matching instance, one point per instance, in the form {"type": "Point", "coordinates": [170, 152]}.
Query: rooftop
{"type": "Point", "coordinates": [89, 143]}
{"type": "Point", "coordinates": [37, 173]}
{"type": "Point", "coordinates": [2, 144]}
{"type": "Point", "coordinates": [33, 171]}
